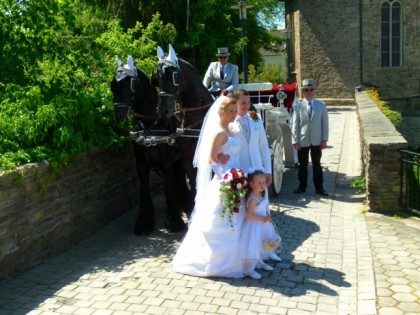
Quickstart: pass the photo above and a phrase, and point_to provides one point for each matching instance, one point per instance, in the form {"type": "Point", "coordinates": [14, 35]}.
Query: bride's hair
{"type": "Point", "coordinates": [227, 102]}
{"type": "Point", "coordinates": [203, 149]}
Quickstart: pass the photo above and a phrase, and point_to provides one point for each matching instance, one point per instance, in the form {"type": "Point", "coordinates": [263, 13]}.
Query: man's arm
{"type": "Point", "coordinates": [265, 153]}
{"type": "Point", "coordinates": [296, 125]}
{"type": "Point", "coordinates": [208, 77]}
{"type": "Point", "coordinates": [324, 122]}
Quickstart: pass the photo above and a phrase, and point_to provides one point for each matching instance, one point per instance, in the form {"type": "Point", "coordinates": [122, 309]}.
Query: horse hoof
{"type": "Point", "coordinates": [139, 231]}
{"type": "Point", "coordinates": [140, 228]}
{"type": "Point", "coordinates": [176, 226]}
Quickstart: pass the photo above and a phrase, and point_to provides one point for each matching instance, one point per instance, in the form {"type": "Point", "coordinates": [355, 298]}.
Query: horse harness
{"type": "Point", "coordinates": [152, 137]}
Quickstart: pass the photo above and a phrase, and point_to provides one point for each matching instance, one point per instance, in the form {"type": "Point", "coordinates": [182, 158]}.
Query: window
{"type": "Point", "coordinates": [391, 34]}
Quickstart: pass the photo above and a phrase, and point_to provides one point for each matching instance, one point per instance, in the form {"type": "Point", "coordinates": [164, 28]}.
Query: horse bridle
{"type": "Point", "coordinates": [177, 79]}
{"type": "Point", "coordinates": [132, 74]}
{"type": "Point", "coordinates": [144, 138]}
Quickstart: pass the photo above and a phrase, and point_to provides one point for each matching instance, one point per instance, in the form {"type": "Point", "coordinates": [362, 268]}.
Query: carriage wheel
{"type": "Point", "coordinates": [277, 167]}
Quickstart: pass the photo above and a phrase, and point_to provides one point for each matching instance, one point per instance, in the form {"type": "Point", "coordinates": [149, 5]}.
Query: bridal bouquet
{"type": "Point", "coordinates": [232, 190]}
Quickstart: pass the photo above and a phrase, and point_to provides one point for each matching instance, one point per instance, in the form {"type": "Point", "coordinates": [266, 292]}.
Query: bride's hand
{"type": "Point", "coordinates": [222, 158]}
{"type": "Point", "coordinates": [216, 169]}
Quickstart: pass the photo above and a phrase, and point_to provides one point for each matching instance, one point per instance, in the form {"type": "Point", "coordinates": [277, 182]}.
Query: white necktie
{"type": "Point", "coordinates": [244, 126]}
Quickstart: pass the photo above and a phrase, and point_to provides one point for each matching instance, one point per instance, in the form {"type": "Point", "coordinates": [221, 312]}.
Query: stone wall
{"type": "Point", "coordinates": [325, 46]}
{"type": "Point", "coordinates": [380, 143]}
{"type": "Point", "coordinates": [43, 214]}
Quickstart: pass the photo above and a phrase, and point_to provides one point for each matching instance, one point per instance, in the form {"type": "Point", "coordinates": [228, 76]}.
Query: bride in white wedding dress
{"type": "Point", "coordinates": [211, 246]}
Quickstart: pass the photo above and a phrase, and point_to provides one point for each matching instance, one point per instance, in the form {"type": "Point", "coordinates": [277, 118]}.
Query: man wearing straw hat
{"type": "Point", "coordinates": [221, 75]}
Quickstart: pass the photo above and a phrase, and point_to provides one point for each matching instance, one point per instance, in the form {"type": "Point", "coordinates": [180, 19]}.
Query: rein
{"type": "Point", "coordinates": [146, 138]}
{"type": "Point", "coordinates": [135, 114]}
{"type": "Point", "coordinates": [151, 138]}
{"type": "Point", "coordinates": [187, 110]}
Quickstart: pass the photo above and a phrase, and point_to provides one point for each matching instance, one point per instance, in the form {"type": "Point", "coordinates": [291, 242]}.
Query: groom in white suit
{"type": "Point", "coordinates": [221, 75]}
{"type": "Point", "coordinates": [254, 150]}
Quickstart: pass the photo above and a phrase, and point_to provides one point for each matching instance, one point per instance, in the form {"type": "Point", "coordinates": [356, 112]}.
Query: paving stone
{"type": "Point", "coordinates": [337, 259]}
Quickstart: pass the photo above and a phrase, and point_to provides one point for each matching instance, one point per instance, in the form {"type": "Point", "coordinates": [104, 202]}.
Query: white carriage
{"type": "Point", "coordinates": [277, 124]}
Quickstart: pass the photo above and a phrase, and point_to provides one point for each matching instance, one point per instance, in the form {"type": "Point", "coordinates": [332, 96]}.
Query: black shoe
{"type": "Point", "coordinates": [322, 192]}
{"type": "Point", "coordinates": [299, 190]}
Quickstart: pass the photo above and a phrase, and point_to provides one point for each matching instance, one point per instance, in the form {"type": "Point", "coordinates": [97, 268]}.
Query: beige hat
{"type": "Point", "coordinates": [222, 51]}
{"type": "Point", "coordinates": [308, 84]}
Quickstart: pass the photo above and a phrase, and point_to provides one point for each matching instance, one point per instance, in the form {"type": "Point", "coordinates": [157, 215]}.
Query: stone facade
{"type": "Point", "coordinates": [337, 43]}
{"type": "Point", "coordinates": [43, 214]}
{"type": "Point", "coordinates": [380, 143]}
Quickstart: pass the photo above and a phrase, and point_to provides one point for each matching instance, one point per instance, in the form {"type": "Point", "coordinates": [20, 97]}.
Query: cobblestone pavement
{"type": "Point", "coordinates": [337, 259]}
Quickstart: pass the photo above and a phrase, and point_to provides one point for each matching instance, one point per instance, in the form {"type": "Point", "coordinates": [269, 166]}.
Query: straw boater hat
{"type": "Point", "coordinates": [308, 84]}
{"type": "Point", "coordinates": [222, 51]}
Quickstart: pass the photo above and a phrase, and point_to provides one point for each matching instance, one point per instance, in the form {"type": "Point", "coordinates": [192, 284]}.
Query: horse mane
{"type": "Point", "coordinates": [196, 94]}
{"type": "Point", "coordinates": [149, 90]}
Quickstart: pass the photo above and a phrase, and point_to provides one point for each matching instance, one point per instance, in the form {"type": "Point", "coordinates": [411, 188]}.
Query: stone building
{"type": "Point", "coordinates": [344, 44]}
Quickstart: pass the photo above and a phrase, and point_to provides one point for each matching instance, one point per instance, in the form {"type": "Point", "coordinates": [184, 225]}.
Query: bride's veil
{"type": "Point", "coordinates": [203, 149]}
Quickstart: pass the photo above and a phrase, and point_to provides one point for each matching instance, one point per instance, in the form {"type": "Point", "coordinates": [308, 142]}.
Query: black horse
{"type": "Point", "coordinates": [153, 147]}
{"type": "Point", "coordinates": [180, 84]}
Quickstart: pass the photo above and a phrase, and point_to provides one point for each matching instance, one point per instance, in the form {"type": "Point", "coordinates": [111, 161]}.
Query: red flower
{"type": "Point", "coordinates": [253, 115]}
{"type": "Point", "coordinates": [232, 190]}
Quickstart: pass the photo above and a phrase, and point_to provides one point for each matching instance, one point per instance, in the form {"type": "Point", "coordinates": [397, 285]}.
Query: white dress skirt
{"type": "Point", "coordinates": [251, 238]}
{"type": "Point", "coordinates": [211, 246]}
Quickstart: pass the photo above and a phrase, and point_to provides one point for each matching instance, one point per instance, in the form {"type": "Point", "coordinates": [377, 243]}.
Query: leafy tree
{"type": "Point", "coordinates": [202, 26]}
{"type": "Point", "coordinates": [271, 72]}
{"type": "Point", "coordinates": [58, 60]}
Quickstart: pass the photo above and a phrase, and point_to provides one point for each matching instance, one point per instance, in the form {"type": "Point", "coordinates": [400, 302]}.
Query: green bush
{"type": "Point", "coordinates": [394, 116]}
{"type": "Point", "coordinates": [271, 72]}
{"type": "Point", "coordinates": [56, 102]}
{"type": "Point", "coordinates": [360, 184]}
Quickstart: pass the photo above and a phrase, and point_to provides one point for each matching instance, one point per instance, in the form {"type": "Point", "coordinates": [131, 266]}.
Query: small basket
{"type": "Point", "coordinates": [271, 242]}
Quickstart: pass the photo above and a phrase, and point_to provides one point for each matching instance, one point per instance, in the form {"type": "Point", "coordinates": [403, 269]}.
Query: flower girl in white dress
{"type": "Point", "coordinates": [257, 216]}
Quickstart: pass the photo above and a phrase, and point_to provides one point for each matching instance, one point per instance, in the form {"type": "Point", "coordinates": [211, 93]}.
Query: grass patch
{"type": "Point", "coordinates": [394, 116]}
{"type": "Point", "coordinates": [360, 184]}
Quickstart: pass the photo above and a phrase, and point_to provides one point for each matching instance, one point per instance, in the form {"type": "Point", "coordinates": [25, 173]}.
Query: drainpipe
{"type": "Point", "coordinates": [361, 40]}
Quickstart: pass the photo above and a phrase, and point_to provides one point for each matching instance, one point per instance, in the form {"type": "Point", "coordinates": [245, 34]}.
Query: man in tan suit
{"type": "Point", "coordinates": [310, 133]}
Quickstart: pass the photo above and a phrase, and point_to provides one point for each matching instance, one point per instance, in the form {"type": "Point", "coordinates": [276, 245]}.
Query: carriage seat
{"type": "Point", "coordinates": [270, 114]}
{"type": "Point", "coordinates": [256, 98]}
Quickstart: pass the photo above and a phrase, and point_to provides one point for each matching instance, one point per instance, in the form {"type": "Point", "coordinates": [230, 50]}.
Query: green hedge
{"type": "Point", "coordinates": [58, 61]}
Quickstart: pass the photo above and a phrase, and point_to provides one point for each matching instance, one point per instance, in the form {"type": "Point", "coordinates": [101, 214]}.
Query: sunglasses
{"type": "Point", "coordinates": [222, 57]}
{"type": "Point", "coordinates": [309, 90]}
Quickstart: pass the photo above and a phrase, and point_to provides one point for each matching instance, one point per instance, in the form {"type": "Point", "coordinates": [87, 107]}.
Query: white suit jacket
{"type": "Point", "coordinates": [306, 130]}
{"type": "Point", "coordinates": [230, 81]}
{"type": "Point", "coordinates": [256, 153]}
